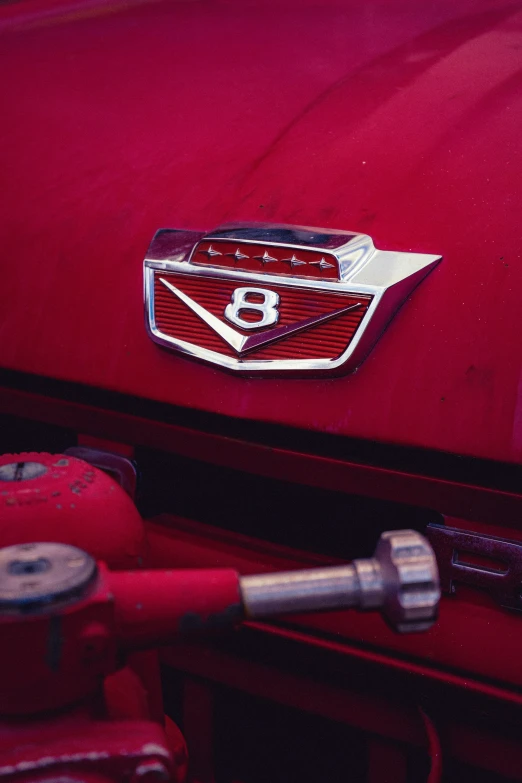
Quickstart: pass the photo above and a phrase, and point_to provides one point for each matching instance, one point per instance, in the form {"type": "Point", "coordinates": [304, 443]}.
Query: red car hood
{"type": "Point", "coordinates": [396, 119]}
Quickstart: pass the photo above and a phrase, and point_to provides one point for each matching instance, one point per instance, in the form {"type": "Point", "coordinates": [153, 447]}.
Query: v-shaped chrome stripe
{"type": "Point", "coordinates": [228, 334]}
{"type": "Point", "coordinates": [255, 341]}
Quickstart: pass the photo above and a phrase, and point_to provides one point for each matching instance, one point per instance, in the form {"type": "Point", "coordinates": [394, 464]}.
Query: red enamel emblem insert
{"type": "Point", "coordinates": [320, 339]}
{"type": "Point", "coordinates": [273, 298]}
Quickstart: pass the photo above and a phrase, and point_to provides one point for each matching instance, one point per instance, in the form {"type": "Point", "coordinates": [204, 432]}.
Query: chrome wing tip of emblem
{"type": "Point", "coordinates": [263, 299]}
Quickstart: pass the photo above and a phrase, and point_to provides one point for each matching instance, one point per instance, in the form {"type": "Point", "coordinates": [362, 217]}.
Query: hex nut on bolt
{"type": "Point", "coordinates": [410, 579]}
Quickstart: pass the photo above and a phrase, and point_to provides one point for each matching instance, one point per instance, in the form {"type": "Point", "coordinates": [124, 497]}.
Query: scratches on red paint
{"type": "Point", "coordinates": [403, 66]}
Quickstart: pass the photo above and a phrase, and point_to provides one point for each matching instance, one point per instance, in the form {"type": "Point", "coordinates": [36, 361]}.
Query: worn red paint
{"type": "Point", "coordinates": [73, 503]}
{"type": "Point", "coordinates": [401, 120]}
{"type": "Point", "coordinates": [384, 127]}
{"type": "Point", "coordinates": [98, 751]}
{"type": "Point", "coordinates": [499, 510]}
{"type": "Point", "coordinates": [153, 605]}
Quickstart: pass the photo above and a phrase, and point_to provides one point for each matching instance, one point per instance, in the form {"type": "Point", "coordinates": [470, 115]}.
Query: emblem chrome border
{"type": "Point", "coordinates": [389, 277]}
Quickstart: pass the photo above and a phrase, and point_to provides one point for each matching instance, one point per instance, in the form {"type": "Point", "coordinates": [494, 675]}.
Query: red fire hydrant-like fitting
{"type": "Point", "coordinates": [68, 622]}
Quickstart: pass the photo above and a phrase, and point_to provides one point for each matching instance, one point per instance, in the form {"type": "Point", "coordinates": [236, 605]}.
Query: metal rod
{"type": "Point", "coordinates": [300, 591]}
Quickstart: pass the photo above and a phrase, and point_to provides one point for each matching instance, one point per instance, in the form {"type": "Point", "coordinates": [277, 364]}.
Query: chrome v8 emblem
{"type": "Point", "coordinates": [274, 298]}
{"type": "Point", "coordinates": [234, 338]}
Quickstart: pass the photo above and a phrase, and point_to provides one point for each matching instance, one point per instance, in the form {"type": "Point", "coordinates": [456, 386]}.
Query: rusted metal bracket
{"type": "Point", "coordinates": [484, 562]}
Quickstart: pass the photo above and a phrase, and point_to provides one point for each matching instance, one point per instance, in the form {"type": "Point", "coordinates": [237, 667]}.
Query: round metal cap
{"type": "Point", "coordinates": [34, 577]}
{"type": "Point", "coordinates": [21, 471]}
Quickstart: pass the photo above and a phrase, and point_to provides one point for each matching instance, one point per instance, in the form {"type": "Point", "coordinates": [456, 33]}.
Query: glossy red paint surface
{"type": "Point", "coordinates": [399, 120]}
{"type": "Point", "coordinates": [500, 510]}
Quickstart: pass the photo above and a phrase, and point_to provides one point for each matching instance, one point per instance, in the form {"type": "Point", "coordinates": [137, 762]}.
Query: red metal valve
{"type": "Point", "coordinates": [68, 619]}
{"type": "Point", "coordinates": [70, 622]}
